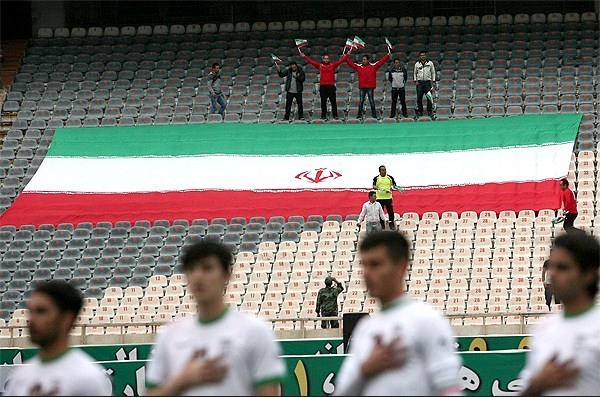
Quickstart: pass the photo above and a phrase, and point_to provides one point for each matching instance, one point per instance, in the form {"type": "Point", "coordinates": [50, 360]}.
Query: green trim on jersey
{"type": "Point", "coordinates": [151, 385]}
{"type": "Point", "coordinates": [580, 313]}
{"type": "Point", "coordinates": [52, 359]}
{"type": "Point", "coordinates": [214, 319]}
{"type": "Point", "coordinates": [397, 302]}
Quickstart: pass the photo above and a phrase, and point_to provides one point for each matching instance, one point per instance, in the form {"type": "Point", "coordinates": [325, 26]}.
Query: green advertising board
{"type": "Point", "coordinates": [289, 347]}
{"type": "Point", "coordinates": [492, 342]}
{"type": "Point", "coordinates": [482, 373]}
{"type": "Point", "coordinates": [490, 364]}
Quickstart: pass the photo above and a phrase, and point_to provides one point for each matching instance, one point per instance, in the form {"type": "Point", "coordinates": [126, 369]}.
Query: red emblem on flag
{"type": "Point", "coordinates": [318, 175]}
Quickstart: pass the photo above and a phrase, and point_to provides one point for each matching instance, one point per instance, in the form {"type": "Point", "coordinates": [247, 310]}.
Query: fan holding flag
{"type": "Point", "coordinates": [294, 84]}
{"type": "Point", "coordinates": [367, 77]}
{"type": "Point", "coordinates": [326, 77]}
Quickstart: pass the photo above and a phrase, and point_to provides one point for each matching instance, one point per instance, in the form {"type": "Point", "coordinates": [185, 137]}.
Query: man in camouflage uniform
{"type": "Point", "coordinates": [327, 302]}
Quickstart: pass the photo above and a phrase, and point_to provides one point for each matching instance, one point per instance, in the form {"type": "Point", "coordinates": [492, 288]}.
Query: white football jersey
{"type": "Point", "coordinates": [247, 344]}
{"type": "Point", "coordinates": [72, 374]}
{"type": "Point", "coordinates": [576, 337]}
{"type": "Point", "coordinates": [432, 363]}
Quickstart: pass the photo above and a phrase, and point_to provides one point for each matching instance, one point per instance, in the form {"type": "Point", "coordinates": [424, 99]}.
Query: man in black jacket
{"type": "Point", "coordinates": [397, 76]}
{"type": "Point", "coordinates": [294, 83]}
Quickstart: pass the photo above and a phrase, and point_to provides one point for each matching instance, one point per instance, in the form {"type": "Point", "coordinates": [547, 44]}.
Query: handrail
{"type": "Point", "coordinates": [155, 324]}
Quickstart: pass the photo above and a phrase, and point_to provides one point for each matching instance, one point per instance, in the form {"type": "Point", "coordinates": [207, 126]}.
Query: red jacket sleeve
{"type": "Point", "coordinates": [310, 61]}
{"type": "Point", "coordinates": [382, 60]}
{"type": "Point", "coordinates": [339, 61]}
{"type": "Point", "coordinates": [351, 64]}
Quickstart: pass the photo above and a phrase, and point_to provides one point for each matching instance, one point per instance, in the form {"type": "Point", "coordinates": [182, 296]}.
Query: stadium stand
{"type": "Point", "coordinates": [465, 264]}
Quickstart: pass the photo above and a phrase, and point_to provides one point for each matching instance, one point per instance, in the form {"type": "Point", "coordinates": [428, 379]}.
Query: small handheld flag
{"type": "Point", "coordinates": [429, 95]}
{"type": "Point", "coordinates": [560, 218]}
{"type": "Point", "coordinates": [276, 58]}
{"type": "Point", "coordinates": [358, 43]}
{"type": "Point", "coordinates": [389, 45]}
{"type": "Point", "coordinates": [349, 44]}
{"type": "Point", "coordinates": [398, 188]}
{"type": "Point", "coordinates": [301, 43]}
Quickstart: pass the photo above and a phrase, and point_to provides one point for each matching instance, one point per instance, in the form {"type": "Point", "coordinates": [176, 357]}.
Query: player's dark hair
{"type": "Point", "coordinates": [564, 181]}
{"type": "Point", "coordinates": [586, 251]}
{"type": "Point", "coordinates": [396, 59]}
{"type": "Point", "coordinates": [205, 249]}
{"type": "Point", "coordinates": [215, 64]}
{"type": "Point", "coordinates": [381, 166]}
{"type": "Point", "coordinates": [66, 297]}
{"type": "Point", "coordinates": [366, 56]}
{"type": "Point", "coordinates": [394, 242]}
{"type": "Point", "coordinates": [372, 193]}
{"type": "Point", "coordinates": [422, 52]}
{"type": "Point", "coordinates": [293, 63]}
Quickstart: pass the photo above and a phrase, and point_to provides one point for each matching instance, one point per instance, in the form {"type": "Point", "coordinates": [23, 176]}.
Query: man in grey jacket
{"type": "Point", "coordinates": [294, 83]}
{"type": "Point", "coordinates": [397, 76]}
{"type": "Point", "coordinates": [214, 90]}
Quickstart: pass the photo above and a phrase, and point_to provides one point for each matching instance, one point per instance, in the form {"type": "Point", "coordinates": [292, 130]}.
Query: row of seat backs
{"type": "Point", "coordinates": [339, 23]}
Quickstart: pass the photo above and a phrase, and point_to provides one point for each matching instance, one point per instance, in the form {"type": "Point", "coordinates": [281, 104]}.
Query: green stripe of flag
{"type": "Point", "coordinates": [297, 139]}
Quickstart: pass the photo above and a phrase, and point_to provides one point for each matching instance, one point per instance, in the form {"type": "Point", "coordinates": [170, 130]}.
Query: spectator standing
{"type": "Point", "coordinates": [568, 205]}
{"type": "Point", "coordinates": [405, 349]}
{"type": "Point", "coordinates": [564, 359]}
{"type": "Point", "coordinates": [57, 369]}
{"type": "Point", "coordinates": [326, 82]}
{"type": "Point", "coordinates": [547, 281]}
{"type": "Point", "coordinates": [397, 75]}
{"type": "Point", "coordinates": [294, 84]}
{"type": "Point", "coordinates": [367, 80]}
{"type": "Point", "coordinates": [327, 305]}
{"type": "Point", "coordinates": [372, 213]}
{"type": "Point", "coordinates": [214, 90]}
{"type": "Point", "coordinates": [424, 76]}
{"type": "Point", "coordinates": [383, 185]}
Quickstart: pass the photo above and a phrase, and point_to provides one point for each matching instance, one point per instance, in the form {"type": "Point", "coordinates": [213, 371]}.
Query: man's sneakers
{"type": "Point", "coordinates": [392, 225]}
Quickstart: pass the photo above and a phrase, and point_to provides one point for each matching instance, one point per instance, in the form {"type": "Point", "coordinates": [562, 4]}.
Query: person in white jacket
{"type": "Point", "coordinates": [373, 213]}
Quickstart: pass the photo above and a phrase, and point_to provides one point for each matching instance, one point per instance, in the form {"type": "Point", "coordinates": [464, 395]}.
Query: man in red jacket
{"type": "Point", "coordinates": [568, 205]}
{"type": "Point", "coordinates": [327, 82]}
{"type": "Point", "coordinates": [367, 80]}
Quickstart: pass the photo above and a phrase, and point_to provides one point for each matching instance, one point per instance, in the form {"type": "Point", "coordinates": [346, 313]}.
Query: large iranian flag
{"type": "Point", "coordinates": [226, 170]}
